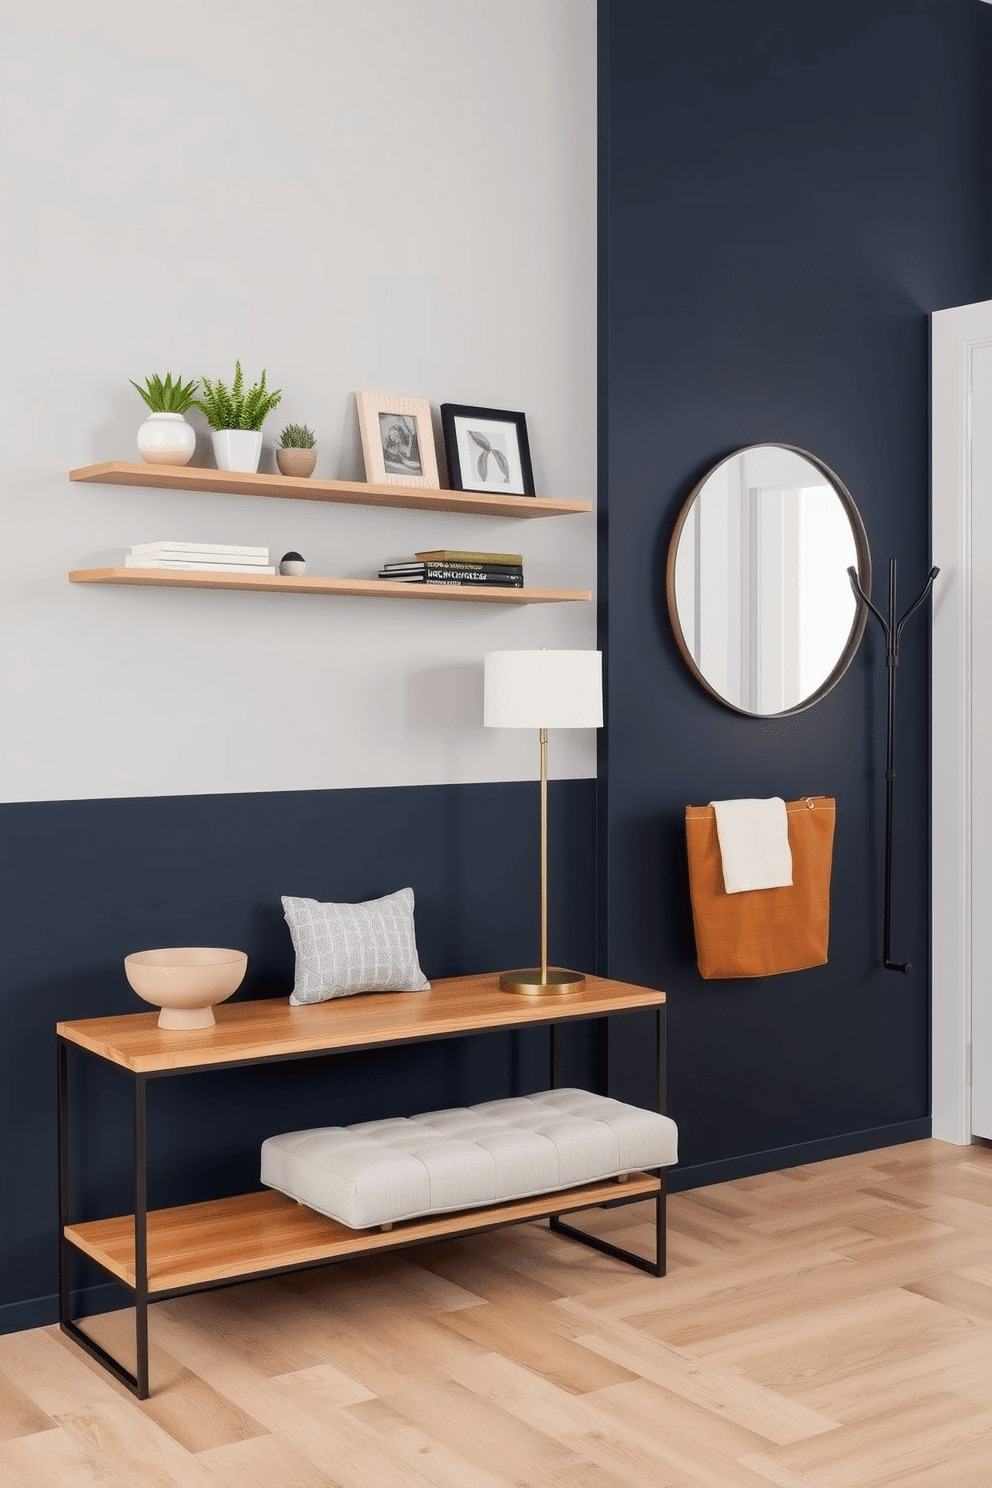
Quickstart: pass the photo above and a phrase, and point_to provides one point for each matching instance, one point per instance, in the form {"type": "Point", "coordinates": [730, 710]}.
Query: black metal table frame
{"type": "Point", "coordinates": [137, 1382]}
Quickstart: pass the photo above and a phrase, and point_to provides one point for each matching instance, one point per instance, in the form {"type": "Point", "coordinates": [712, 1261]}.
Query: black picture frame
{"type": "Point", "coordinates": [464, 471]}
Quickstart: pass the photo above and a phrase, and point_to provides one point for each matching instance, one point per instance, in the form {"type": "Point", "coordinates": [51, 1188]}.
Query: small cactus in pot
{"type": "Point", "coordinates": [296, 454]}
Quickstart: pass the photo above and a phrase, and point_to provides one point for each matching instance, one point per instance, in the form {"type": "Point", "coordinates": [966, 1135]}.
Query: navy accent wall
{"type": "Point", "coordinates": [84, 882]}
{"type": "Point", "coordinates": [786, 191]}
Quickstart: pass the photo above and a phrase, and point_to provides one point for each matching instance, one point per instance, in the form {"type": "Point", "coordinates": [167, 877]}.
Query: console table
{"type": "Point", "coordinates": [171, 1252]}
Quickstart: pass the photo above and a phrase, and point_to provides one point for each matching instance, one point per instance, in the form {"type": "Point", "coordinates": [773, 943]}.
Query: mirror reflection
{"type": "Point", "coordinates": [758, 590]}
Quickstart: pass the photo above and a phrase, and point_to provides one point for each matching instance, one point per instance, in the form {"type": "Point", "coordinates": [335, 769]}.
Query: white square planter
{"type": "Point", "coordinates": [237, 449]}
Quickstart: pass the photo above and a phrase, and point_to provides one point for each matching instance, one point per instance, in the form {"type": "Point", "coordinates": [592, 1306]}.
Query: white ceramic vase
{"type": "Point", "coordinates": [166, 439]}
{"type": "Point", "coordinates": [237, 449]}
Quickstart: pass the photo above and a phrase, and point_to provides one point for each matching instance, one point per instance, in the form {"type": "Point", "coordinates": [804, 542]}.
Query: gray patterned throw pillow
{"type": "Point", "coordinates": [342, 949]}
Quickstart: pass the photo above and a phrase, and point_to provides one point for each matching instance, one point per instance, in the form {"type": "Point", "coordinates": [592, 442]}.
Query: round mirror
{"type": "Point", "coordinates": [759, 595]}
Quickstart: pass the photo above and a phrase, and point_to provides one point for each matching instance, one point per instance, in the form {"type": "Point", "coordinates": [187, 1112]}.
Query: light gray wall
{"type": "Point", "coordinates": [394, 196]}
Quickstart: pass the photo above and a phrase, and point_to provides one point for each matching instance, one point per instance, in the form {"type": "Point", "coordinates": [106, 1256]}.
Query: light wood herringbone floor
{"type": "Point", "coordinates": [823, 1327]}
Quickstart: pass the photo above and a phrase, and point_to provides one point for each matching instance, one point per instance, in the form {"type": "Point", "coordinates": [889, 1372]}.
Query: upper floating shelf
{"type": "Point", "coordinates": [164, 578]}
{"type": "Point", "coordinates": [351, 493]}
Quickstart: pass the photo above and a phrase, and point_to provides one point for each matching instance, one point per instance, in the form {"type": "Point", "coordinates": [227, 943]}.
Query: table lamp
{"type": "Point", "coordinates": [542, 690]}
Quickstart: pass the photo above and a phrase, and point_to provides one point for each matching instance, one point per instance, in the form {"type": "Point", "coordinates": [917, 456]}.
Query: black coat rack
{"type": "Point", "coordinates": [892, 633]}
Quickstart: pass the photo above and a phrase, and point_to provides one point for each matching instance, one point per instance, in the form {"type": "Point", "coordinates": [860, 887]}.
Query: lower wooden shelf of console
{"type": "Point", "coordinates": [254, 1234]}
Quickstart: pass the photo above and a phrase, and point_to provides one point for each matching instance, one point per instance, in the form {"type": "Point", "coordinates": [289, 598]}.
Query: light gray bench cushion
{"type": "Point", "coordinates": [377, 1172]}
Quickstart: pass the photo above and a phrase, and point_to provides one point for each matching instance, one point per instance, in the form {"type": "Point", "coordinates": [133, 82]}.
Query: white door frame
{"type": "Point", "coordinates": [955, 336]}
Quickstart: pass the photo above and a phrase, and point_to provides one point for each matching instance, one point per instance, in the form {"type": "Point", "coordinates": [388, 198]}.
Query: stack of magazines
{"type": "Point", "coordinates": [453, 566]}
{"type": "Point", "coordinates": [214, 557]}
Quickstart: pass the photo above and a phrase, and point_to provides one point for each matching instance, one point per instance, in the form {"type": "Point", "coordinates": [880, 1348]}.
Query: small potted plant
{"type": "Point", "coordinates": [295, 454]}
{"type": "Point", "coordinates": [236, 418]}
{"type": "Point", "coordinates": [165, 438]}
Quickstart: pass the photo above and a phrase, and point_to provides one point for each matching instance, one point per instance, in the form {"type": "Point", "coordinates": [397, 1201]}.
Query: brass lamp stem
{"type": "Point", "coordinates": [544, 855]}
{"type": "Point", "coordinates": [555, 981]}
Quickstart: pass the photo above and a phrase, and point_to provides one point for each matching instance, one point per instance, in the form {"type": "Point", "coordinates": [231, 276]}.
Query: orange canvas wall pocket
{"type": "Point", "coordinates": [765, 931]}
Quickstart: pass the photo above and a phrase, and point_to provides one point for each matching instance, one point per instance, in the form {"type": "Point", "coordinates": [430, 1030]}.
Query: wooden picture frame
{"type": "Point", "coordinates": [487, 450]}
{"type": "Point", "coordinates": [397, 440]}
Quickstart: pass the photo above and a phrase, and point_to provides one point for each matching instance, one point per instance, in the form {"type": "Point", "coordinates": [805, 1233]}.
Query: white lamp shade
{"type": "Point", "coordinates": [543, 689]}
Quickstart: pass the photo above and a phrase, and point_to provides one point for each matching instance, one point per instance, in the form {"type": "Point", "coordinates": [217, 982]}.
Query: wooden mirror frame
{"type": "Point", "coordinates": [864, 576]}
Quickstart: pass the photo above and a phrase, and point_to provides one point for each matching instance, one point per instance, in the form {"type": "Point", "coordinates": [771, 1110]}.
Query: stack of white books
{"type": "Point", "coordinates": [214, 557]}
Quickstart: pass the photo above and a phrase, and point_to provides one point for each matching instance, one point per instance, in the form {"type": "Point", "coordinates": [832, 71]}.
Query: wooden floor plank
{"type": "Point", "coordinates": [54, 1373]}
{"type": "Point", "coordinates": [443, 1463]}
{"type": "Point", "coordinates": [396, 1353]}
{"type": "Point", "coordinates": [891, 1448]}
{"type": "Point", "coordinates": [19, 1416]}
{"type": "Point", "coordinates": [725, 1393]}
{"type": "Point", "coordinates": [263, 1462]}
{"type": "Point", "coordinates": [977, 1388]}
{"type": "Point", "coordinates": [408, 1285]}
{"type": "Point", "coordinates": [123, 1440]}
{"type": "Point", "coordinates": [970, 1297]}
{"type": "Point", "coordinates": [479, 1430]}
{"type": "Point", "coordinates": [828, 1326]}
{"type": "Point", "coordinates": [863, 1393]}
{"type": "Point", "coordinates": [794, 1353]}
{"type": "Point", "coordinates": [790, 1298]}
{"type": "Point", "coordinates": [53, 1458]}
{"type": "Point", "coordinates": [728, 1282]}
{"type": "Point", "coordinates": [506, 1330]}
{"type": "Point", "coordinates": [189, 1409]}
{"type": "Point", "coordinates": [271, 1349]}
{"type": "Point", "coordinates": [329, 1439]}
{"type": "Point", "coordinates": [640, 1404]}
{"type": "Point", "coordinates": [471, 1265]}
{"type": "Point", "coordinates": [587, 1426]}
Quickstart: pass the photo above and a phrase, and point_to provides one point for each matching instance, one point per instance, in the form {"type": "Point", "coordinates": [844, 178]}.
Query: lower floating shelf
{"type": "Point", "coordinates": [287, 584]}
{"type": "Point", "coordinates": [224, 1239]}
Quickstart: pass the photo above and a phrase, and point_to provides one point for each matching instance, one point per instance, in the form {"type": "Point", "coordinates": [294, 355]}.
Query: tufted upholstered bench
{"type": "Point", "coordinates": [379, 1173]}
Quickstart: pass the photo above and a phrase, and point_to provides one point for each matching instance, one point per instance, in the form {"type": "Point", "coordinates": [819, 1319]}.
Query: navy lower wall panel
{"type": "Point", "coordinates": [786, 191]}
{"type": "Point", "coordinates": [85, 882]}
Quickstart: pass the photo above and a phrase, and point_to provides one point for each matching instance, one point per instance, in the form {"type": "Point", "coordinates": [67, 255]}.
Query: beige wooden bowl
{"type": "Point", "coordinates": [186, 981]}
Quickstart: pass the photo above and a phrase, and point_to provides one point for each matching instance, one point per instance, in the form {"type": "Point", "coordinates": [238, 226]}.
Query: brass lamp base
{"type": "Point", "coordinates": [556, 983]}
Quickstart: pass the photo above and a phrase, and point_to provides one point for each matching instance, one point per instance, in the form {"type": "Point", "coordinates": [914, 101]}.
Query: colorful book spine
{"type": "Point", "coordinates": [455, 555]}
{"type": "Point", "coordinates": [476, 583]}
{"type": "Point", "coordinates": [435, 576]}
{"type": "Point", "coordinates": [475, 575]}
{"type": "Point", "coordinates": [439, 569]}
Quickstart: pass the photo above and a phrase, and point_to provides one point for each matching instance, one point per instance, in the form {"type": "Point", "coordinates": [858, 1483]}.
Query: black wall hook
{"type": "Point", "coordinates": [892, 634]}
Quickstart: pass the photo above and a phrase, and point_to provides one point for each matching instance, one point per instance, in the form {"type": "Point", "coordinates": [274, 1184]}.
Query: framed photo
{"type": "Point", "coordinates": [397, 440]}
{"type": "Point", "coordinates": [487, 450]}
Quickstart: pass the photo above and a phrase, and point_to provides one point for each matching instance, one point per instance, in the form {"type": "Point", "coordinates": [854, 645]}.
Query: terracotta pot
{"type": "Point", "coordinates": [297, 462]}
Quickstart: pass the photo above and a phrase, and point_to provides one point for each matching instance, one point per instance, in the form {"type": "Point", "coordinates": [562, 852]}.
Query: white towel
{"type": "Point", "coordinates": [754, 844]}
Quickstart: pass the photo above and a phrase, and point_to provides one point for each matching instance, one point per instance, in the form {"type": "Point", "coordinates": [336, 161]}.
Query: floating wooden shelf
{"type": "Point", "coordinates": [169, 578]}
{"type": "Point", "coordinates": [351, 493]}
{"type": "Point", "coordinates": [224, 1238]}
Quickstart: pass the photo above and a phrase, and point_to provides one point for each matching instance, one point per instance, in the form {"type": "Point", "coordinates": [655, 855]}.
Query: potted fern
{"type": "Point", "coordinates": [236, 419]}
{"type": "Point", "coordinates": [295, 453]}
{"type": "Point", "coordinates": [165, 438]}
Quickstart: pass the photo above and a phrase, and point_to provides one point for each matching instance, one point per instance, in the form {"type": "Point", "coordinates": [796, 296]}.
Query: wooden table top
{"type": "Point", "coordinates": [272, 1029]}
